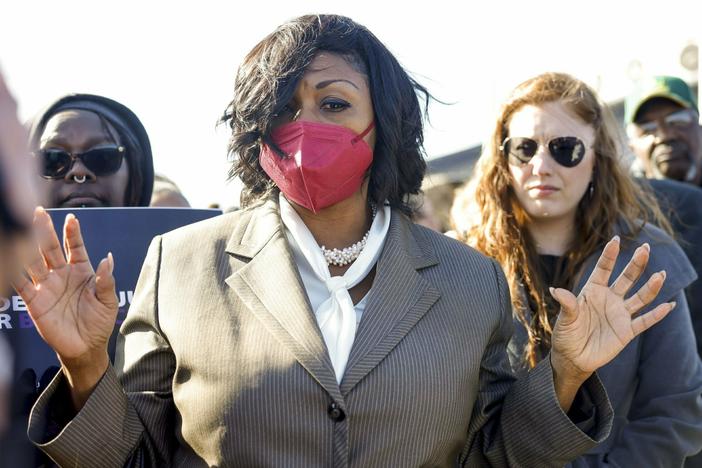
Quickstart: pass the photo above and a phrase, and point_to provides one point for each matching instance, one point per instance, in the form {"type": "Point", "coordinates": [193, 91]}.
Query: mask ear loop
{"type": "Point", "coordinates": [363, 133]}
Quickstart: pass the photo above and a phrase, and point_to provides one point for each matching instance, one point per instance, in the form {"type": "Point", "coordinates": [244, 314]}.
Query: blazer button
{"type": "Point", "coordinates": [336, 414]}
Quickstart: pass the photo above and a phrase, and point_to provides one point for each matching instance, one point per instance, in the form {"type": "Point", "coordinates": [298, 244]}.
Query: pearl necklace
{"type": "Point", "coordinates": [342, 257]}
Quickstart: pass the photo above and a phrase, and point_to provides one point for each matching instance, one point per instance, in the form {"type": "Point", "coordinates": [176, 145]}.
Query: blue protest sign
{"type": "Point", "coordinates": [127, 233]}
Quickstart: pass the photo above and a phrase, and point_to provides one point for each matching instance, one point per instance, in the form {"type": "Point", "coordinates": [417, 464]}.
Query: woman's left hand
{"type": "Point", "coordinates": [593, 328]}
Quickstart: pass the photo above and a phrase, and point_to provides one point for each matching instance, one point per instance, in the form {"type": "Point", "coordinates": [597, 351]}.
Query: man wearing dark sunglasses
{"type": "Point", "coordinates": [92, 152]}
{"type": "Point", "coordinates": [664, 130]}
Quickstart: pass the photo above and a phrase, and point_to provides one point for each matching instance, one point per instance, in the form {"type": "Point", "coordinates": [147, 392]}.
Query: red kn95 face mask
{"type": "Point", "coordinates": [323, 163]}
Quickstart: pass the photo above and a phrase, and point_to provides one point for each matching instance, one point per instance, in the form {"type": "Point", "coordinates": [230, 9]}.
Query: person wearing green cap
{"type": "Point", "coordinates": [663, 127]}
{"type": "Point", "coordinates": [662, 124]}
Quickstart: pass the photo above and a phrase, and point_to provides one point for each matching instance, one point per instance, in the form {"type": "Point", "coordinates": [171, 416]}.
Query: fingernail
{"type": "Point", "coordinates": [673, 304]}
{"type": "Point", "coordinates": [663, 273]}
{"type": "Point", "coordinates": [615, 238]}
{"type": "Point", "coordinates": [111, 261]}
{"type": "Point", "coordinates": [646, 246]}
{"type": "Point", "coordinates": [551, 290]}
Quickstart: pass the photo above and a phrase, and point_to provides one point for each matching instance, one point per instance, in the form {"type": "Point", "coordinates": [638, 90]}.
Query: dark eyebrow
{"type": "Point", "coordinates": [59, 140]}
{"type": "Point", "coordinates": [324, 84]}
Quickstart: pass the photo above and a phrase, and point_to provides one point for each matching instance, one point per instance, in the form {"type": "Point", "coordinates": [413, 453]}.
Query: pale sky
{"type": "Point", "coordinates": [173, 63]}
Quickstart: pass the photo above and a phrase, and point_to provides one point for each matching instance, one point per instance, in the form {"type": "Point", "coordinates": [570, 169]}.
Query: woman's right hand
{"type": "Point", "coordinates": [73, 307]}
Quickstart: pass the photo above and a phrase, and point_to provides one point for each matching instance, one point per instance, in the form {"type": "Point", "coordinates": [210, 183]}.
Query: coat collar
{"type": "Point", "coordinates": [399, 298]}
{"type": "Point", "coordinates": [666, 255]}
{"type": "Point", "coordinates": [270, 285]}
{"type": "Point", "coordinates": [254, 229]}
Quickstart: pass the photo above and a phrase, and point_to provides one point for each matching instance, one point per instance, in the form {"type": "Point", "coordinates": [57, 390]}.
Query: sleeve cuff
{"type": "Point", "coordinates": [591, 411]}
{"type": "Point", "coordinates": [534, 405]}
{"type": "Point", "coordinates": [104, 430]}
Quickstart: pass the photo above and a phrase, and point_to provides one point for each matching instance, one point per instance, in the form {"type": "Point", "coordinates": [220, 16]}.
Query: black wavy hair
{"type": "Point", "coordinates": [266, 82]}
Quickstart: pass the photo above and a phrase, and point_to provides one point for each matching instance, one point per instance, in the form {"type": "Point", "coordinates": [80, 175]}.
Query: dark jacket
{"type": "Point", "coordinates": [655, 383]}
{"type": "Point", "coordinates": [682, 203]}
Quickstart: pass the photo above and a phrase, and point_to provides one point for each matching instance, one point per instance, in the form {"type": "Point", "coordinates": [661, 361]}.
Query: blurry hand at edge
{"type": "Point", "coordinates": [18, 167]}
{"type": "Point", "coordinates": [18, 195]}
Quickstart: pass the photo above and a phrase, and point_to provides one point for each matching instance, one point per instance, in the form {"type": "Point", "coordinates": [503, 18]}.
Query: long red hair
{"type": "Point", "coordinates": [487, 215]}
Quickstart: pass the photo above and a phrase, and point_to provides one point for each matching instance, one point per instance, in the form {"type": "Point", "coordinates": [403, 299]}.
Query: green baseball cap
{"type": "Point", "coordinates": [668, 87]}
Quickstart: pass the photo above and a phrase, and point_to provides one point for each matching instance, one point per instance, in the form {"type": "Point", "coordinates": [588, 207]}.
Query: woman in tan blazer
{"type": "Point", "coordinates": [318, 326]}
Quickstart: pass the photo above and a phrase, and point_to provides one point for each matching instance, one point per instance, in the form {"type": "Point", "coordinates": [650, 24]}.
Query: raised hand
{"type": "Point", "coordinates": [594, 327]}
{"type": "Point", "coordinates": [73, 307]}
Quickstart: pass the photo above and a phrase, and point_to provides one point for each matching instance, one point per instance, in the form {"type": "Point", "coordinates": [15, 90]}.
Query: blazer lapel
{"type": "Point", "coordinates": [398, 299]}
{"type": "Point", "coordinates": [270, 286]}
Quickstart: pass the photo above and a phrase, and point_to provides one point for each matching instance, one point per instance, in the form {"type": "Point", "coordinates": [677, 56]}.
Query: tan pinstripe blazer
{"type": "Point", "coordinates": [222, 364]}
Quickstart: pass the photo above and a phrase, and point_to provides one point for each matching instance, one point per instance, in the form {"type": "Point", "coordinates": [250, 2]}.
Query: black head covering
{"type": "Point", "coordinates": [130, 129]}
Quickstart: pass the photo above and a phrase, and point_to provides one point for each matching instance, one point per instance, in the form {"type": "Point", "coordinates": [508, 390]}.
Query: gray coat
{"type": "Point", "coordinates": [223, 364]}
{"type": "Point", "coordinates": [655, 383]}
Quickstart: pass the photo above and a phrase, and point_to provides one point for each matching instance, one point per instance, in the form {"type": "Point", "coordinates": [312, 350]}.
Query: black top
{"type": "Point", "coordinates": [551, 267]}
